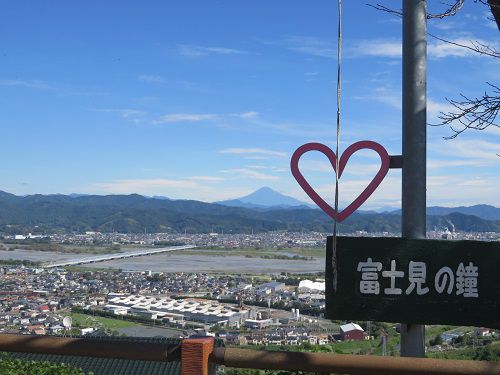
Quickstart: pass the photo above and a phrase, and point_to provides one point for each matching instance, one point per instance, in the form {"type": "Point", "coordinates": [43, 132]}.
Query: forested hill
{"type": "Point", "coordinates": [136, 213]}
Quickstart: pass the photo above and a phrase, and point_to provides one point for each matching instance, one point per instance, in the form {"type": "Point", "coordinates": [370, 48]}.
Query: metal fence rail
{"type": "Point", "coordinates": [241, 358]}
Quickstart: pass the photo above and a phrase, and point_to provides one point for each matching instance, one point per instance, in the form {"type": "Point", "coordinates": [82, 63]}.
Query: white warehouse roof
{"type": "Point", "coordinates": [351, 327]}
{"type": "Point", "coordinates": [308, 286]}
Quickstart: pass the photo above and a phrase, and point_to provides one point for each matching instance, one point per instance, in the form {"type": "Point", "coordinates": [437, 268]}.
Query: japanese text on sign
{"type": "Point", "coordinates": [464, 280]}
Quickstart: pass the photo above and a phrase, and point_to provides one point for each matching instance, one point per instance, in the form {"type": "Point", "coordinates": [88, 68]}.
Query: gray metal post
{"type": "Point", "coordinates": [413, 223]}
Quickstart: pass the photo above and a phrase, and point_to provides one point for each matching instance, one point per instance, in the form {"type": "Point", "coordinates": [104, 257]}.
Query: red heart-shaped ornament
{"type": "Point", "coordinates": [365, 194]}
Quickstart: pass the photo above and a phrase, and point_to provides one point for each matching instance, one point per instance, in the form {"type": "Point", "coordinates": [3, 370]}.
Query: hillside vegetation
{"type": "Point", "coordinates": [135, 213]}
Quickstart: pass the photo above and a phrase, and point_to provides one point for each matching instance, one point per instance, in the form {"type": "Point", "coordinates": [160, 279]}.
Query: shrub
{"type": "Point", "coordinates": [12, 366]}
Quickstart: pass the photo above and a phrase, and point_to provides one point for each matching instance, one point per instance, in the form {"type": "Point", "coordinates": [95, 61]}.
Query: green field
{"type": "Point", "coordinates": [489, 352]}
{"type": "Point", "coordinates": [85, 321]}
{"type": "Point", "coordinates": [344, 347]}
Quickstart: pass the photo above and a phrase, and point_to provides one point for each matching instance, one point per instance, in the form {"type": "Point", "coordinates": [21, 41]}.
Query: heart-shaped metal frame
{"type": "Point", "coordinates": [365, 194]}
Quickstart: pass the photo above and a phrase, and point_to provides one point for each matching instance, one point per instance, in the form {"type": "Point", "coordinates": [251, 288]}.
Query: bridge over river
{"type": "Point", "coordinates": [103, 258]}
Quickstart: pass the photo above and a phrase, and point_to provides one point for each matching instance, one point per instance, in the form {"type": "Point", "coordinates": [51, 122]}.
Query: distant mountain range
{"type": "Point", "coordinates": [265, 198]}
{"type": "Point", "coordinates": [483, 211]}
{"type": "Point", "coordinates": [136, 213]}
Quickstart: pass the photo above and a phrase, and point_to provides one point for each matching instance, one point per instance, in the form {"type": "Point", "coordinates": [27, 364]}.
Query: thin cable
{"type": "Point", "coordinates": [339, 60]}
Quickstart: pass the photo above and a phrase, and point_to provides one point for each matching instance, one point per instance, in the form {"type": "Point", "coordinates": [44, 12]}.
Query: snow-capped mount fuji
{"type": "Point", "coordinates": [265, 198]}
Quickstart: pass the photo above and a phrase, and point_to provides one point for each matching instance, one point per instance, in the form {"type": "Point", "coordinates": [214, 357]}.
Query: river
{"type": "Point", "coordinates": [178, 262]}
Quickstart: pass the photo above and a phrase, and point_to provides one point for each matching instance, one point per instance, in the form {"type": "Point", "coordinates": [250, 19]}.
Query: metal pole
{"type": "Point", "coordinates": [413, 223]}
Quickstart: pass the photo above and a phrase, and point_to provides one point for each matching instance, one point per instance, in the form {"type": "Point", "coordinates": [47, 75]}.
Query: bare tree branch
{"type": "Point", "coordinates": [472, 113]}
{"type": "Point", "coordinates": [451, 11]}
{"type": "Point", "coordinates": [383, 8]}
{"type": "Point", "coordinates": [468, 113]}
{"type": "Point", "coordinates": [475, 46]}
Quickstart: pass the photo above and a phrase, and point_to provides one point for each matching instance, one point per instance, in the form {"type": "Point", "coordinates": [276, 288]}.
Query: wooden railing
{"type": "Point", "coordinates": [198, 356]}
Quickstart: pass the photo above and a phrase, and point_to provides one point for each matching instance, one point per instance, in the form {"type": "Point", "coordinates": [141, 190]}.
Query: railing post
{"type": "Point", "coordinates": [194, 356]}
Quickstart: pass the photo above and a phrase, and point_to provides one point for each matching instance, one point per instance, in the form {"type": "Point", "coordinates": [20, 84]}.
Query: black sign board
{"type": "Point", "coordinates": [414, 281]}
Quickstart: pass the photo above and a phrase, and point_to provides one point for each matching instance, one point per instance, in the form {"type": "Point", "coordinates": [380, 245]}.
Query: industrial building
{"type": "Point", "coordinates": [179, 311]}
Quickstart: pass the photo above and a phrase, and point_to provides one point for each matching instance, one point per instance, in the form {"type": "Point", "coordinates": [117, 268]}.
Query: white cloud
{"type": "Point", "coordinates": [435, 108]}
{"type": "Point", "coordinates": [351, 169]}
{"type": "Point", "coordinates": [464, 189]}
{"type": "Point", "coordinates": [471, 185]}
{"type": "Point", "coordinates": [392, 97]}
{"type": "Point", "coordinates": [308, 165]}
{"type": "Point", "coordinates": [249, 173]}
{"type": "Point", "coordinates": [439, 163]}
{"type": "Point", "coordinates": [253, 151]}
{"type": "Point", "coordinates": [311, 46]}
{"type": "Point", "coordinates": [359, 169]}
{"type": "Point", "coordinates": [246, 115]}
{"type": "Point", "coordinates": [492, 130]}
{"type": "Point", "coordinates": [195, 117]}
{"type": "Point", "coordinates": [387, 194]}
{"type": "Point", "coordinates": [126, 113]}
{"type": "Point", "coordinates": [150, 78]}
{"type": "Point", "coordinates": [133, 115]}
{"type": "Point", "coordinates": [438, 49]}
{"type": "Point", "coordinates": [185, 117]}
{"type": "Point", "coordinates": [204, 188]}
{"type": "Point", "coordinates": [256, 157]}
{"type": "Point", "coordinates": [385, 95]}
{"type": "Point", "coordinates": [268, 168]}
{"type": "Point", "coordinates": [199, 51]}
{"type": "Point", "coordinates": [375, 48]}
{"type": "Point", "coordinates": [34, 84]}
{"type": "Point", "coordinates": [142, 186]}
{"type": "Point", "coordinates": [207, 178]}
{"type": "Point", "coordinates": [263, 167]}
{"type": "Point", "coordinates": [476, 150]}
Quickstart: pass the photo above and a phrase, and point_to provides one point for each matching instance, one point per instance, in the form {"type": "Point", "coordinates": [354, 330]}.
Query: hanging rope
{"type": "Point", "coordinates": [339, 60]}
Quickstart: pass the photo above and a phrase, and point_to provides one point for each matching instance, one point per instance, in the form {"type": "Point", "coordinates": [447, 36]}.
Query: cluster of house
{"type": "Point", "coordinates": [35, 300]}
{"type": "Point", "coordinates": [293, 335]}
{"type": "Point", "coordinates": [277, 239]}
{"type": "Point", "coordinates": [263, 326]}
{"type": "Point", "coordinates": [269, 240]}
{"type": "Point", "coordinates": [30, 312]}
{"type": "Point", "coordinates": [35, 320]}
{"type": "Point", "coordinates": [309, 293]}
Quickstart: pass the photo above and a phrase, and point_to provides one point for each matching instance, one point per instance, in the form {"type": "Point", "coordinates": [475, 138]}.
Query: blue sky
{"type": "Point", "coordinates": [207, 100]}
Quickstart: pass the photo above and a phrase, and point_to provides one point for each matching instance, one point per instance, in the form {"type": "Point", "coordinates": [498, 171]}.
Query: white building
{"type": "Point", "coordinates": [308, 286]}
{"type": "Point", "coordinates": [206, 312]}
